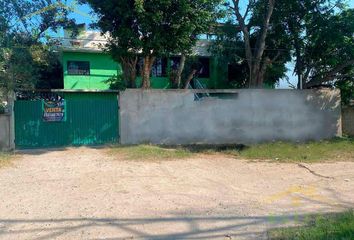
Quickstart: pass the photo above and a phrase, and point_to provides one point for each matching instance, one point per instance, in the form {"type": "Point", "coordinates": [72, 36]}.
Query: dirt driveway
{"type": "Point", "coordinates": [85, 194]}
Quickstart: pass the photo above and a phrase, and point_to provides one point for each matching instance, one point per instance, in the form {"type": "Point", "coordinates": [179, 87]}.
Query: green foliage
{"type": "Point", "coordinates": [229, 48]}
{"type": "Point", "coordinates": [320, 35]}
{"type": "Point", "coordinates": [347, 90]}
{"type": "Point", "coordinates": [320, 227]}
{"type": "Point", "coordinates": [116, 83]}
{"type": "Point", "coordinates": [153, 27]}
{"type": "Point", "coordinates": [31, 66]}
{"type": "Point", "coordinates": [49, 69]}
{"type": "Point", "coordinates": [2, 108]}
{"type": "Point", "coordinates": [25, 56]}
{"type": "Point", "coordinates": [330, 47]}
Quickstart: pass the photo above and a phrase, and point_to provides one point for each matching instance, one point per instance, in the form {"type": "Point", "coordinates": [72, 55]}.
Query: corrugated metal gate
{"type": "Point", "coordinates": [91, 119]}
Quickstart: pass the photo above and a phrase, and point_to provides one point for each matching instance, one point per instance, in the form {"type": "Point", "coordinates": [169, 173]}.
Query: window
{"type": "Point", "coordinates": [205, 68]}
{"type": "Point", "coordinates": [78, 68]}
{"type": "Point", "coordinates": [158, 69]}
{"type": "Point", "coordinates": [175, 62]}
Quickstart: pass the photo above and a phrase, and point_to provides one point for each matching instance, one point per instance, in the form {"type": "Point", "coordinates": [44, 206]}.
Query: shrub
{"type": "Point", "coordinates": [116, 83]}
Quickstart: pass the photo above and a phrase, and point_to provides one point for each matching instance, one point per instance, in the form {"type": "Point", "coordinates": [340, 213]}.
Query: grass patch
{"type": "Point", "coordinates": [329, 227]}
{"type": "Point", "coordinates": [150, 152]}
{"type": "Point", "coordinates": [5, 159]}
{"type": "Point", "coordinates": [341, 149]}
{"type": "Point", "coordinates": [334, 150]}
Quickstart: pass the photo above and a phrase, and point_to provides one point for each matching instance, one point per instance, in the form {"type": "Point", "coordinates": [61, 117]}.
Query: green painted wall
{"type": "Point", "coordinates": [103, 67]}
{"type": "Point", "coordinates": [156, 82]}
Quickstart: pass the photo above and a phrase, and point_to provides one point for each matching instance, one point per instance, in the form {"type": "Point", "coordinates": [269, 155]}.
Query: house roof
{"type": "Point", "coordinates": [94, 42]}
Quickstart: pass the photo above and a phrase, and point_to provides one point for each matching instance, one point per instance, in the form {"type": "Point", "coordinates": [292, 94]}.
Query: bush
{"type": "Point", "coordinates": [116, 83]}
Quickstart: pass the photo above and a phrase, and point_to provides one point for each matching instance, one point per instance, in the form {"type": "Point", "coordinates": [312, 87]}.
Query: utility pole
{"type": "Point", "coordinates": [301, 82]}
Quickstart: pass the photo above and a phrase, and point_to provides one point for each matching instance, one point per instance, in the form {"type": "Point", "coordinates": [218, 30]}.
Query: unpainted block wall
{"type": "Point", "coordinates": [238, 116]}
{"type": "Point", "coordinates": [348, 121]}
{"type": "Point", "coordinates": [4, 132]}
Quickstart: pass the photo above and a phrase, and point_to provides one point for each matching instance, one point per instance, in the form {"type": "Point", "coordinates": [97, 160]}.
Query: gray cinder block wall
{"type": "Point", "coordinates": [228, 116]}
{"type": "Point", "coordinates": [7, 126]}
{"type": "Point", "coordinates": [4, 132]}
{"type": "Point", "coordinates": [348, 120]}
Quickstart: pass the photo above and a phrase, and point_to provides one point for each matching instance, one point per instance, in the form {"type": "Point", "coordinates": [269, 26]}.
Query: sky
{"type": "Point", "coordinates": [82, 15]}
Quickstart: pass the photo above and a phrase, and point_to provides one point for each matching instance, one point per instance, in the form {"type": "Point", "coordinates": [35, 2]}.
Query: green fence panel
{"type": "Point", "coordinates": [92, 119]}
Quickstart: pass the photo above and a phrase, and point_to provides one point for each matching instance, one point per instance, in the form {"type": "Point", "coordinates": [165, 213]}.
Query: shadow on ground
{"type": "Point", "coordinates": [213, 227]}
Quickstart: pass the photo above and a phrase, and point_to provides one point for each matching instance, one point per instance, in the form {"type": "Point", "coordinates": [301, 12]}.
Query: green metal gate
{"type": "Point", "coordinates": [91, 119]}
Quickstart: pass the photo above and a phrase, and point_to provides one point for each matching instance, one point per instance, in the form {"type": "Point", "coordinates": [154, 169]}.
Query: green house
{"type": "Point", "coordinates": [86, 66]}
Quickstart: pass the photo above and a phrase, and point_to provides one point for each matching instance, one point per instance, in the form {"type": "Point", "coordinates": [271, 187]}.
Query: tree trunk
{"type": "Point", "coordinates": [253, 82]}
{"type": "Point", "coordinates": [182, 62]}
{"type": "Point", "coordinates": [299, 65]}
{"type": "Point", "coordinates": [254, 58]}
{"type": "Point", "coordinates": [190, 78]}
{"type": "Point", "coordinates": [129, 70]}
{"type": "Point", "coordinates": [176, 74]}
{"type": "Point", "coordinates": [148, 62]}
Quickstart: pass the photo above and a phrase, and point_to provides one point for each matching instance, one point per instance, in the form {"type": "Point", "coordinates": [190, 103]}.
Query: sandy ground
{"type": "Point", "coordinates": [85, 194]}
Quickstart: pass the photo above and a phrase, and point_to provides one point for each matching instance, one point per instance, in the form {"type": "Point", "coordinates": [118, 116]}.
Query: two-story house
{"type": "Point", "coordinates": [87, 66]}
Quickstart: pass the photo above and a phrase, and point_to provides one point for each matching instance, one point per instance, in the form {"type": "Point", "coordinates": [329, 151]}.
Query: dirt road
{"type": "Point", "coordinates": [84, 193]}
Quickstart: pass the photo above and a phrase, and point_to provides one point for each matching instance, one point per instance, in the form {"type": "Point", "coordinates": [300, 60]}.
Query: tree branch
{"type": "Point", "coordinates": [245, 31]}
{"type": "Point", "coordinates": [260, 46]}
{"type": "Point", "coordinates": [247, 9]}
{"type": "Point", "coordinates": [329, 76]}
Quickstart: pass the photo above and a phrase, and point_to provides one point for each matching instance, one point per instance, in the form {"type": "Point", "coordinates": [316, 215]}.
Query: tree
{"type": "Point", "coordinates": [335, 59]}
{"type": "Point", "coordinates": [119, 19]}
{"type": "Point", "coordinates": [321, 39]}
{"type": "Point", "coordinates": [49, 69]}
{"type": "Point", "coordinates": [151, 29]}
{"type": "Point", "coordinates": [229, 48]}
{"type": "Point", "coordinates": [254, 56]}
{"type": "Point", "coordinates": [24, 48]}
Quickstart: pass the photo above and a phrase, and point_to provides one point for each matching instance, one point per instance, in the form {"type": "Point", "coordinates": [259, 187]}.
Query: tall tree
{"type": "Point", "coordinates": [228, 47]}
{"type": "Point", "coordinates": [152, 28]}
{"type": "Point", "coordinates": [321, 38]}
{"type": "Point", "coordinates": [24, 47]}
{"type": "Point", "coordinates": [256, 63]}
{"type": "Point", "coordinates": [329, 55]}
{"type": "Point", "coordinates": [118, 18]}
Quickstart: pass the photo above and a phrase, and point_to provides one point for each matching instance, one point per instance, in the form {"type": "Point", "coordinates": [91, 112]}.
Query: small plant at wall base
{"type": "Point", "coordinates": [116, 83]}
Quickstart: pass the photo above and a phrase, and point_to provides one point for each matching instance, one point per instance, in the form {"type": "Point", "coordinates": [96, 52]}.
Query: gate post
{"type": "Point", "coordinates": [11, 104]}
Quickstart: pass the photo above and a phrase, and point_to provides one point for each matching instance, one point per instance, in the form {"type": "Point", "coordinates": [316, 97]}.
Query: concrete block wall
{"type": "Point", "coordinates": [348, 120]}
{"type": "Point", "coordinates": [7, 126]}
{"type": "Point", "coordinates": [228, 116]}
{"type": "Point", "coordinates": [4, 132]}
